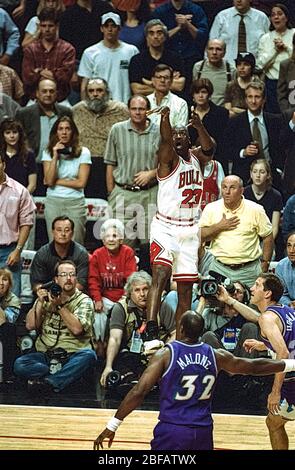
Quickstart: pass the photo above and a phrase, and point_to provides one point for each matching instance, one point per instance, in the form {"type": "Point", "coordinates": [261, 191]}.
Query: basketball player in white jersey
{"type": "Point", "coordinates": [174, 229]}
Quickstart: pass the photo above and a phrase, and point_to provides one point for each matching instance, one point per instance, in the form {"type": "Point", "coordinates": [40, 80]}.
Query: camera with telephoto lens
{"type": "Point", "coordinates": [54, 289]}
{"type": "Point", "coordinates": [113, 379]}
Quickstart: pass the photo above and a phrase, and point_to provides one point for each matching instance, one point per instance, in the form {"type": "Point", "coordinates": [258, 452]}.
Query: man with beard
{"type": "Point", "coordinates": [94, 118]}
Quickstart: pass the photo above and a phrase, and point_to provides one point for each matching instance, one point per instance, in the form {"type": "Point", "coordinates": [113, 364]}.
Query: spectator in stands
{"type": "Point", "coordinates": [187, 29]}
{"type": "Point", "coordinates": [162, 80]}
{"type": "Point", "coordinates": [127, 327]}
{"type": "Point", "coordinates": [109, 268]}
{"type": "Point", "coordinates": [131, 174]}
{"type": "Point", "coordinates": [143, 64]}
{"type": "Point", "coordinates": [19, 159]}
{"type": "Point", "coordinates": [226, 328]}
{"type": "Point", "coordinates": [84, 15]}
{"type": "Point", "coordinates": [11, 84]}
{"type": "Point", "coordinates": [134, 21]}
{"type": "Point", "coordinates": [38, 119]}
{"type": "Point", "coordinates": [9, 302]}
{"type": "Point", "coordinates": [262, 192]}
{"type": "Point", "coordinates": [255, 134]}
{"type": "Point", "coordinates": [213, 117]}
{"type": "Point", "coordinates": [9, 37]}
{"type": "Point", "coordinates": [108, 59]}
{"type": "Point", "coordinates": [274, 47]}
{"type": "Point", "coordinates": [32, 30]}
{"type": "Point", "coordinates": [226, 27]}
{"type": "Point", "coordinates": [216, 69]}
{"type": "Point", "coordinates": [66, 170]}
{"type": "Point", "coordinates": [94, 117]}
{"type": "Point", "coordinates": [289, 217]}
{"type": "Point", "coordinates": [16, 220]}
{"type": "Point", "coordinates": [64, 325]}
{"type": "Point", "coordinates": [61, 247]}
{"type": "Point", "coordinates": [8, 107]}
{"type": "Point", "coordinates": [285, 269]}
{"type": "Point", "coordinates": [286, 80]}
{"type": "Point", "coordinates": [240, 234]}
{"type": "Point", "coordinates": [234, 98]}
{"type": "Point", "coordinates": [48, 57]}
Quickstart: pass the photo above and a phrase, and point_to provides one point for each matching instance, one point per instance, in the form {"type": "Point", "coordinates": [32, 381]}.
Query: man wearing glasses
{"type": "Point", "coordinates": [63, 316]}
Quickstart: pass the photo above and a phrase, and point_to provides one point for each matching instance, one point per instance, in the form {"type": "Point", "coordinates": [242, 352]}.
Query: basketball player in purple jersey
{"type": "Point", "coordinates": [277, 325]}
{"type": "Point", "coordinates": [174, 239]}
{"type": "Point", "coordinates": [187, 374]}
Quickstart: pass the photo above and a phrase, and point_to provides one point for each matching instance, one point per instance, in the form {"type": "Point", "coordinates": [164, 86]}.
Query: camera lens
{"type": "Point", "coordinates": [210, 287]}
{"type": "Point", "coordinates": [55, 290]}
{"type": "Point", "coordinates": [113, 379]}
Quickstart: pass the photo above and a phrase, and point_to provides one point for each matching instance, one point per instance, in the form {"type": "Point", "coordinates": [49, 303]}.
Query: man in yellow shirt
{"type": "Point", "coordinates": [240, 234]}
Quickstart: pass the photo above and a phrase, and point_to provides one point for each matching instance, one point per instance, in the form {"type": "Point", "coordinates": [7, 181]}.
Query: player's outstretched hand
{"type": "Point", "coordinates": [106, 434]}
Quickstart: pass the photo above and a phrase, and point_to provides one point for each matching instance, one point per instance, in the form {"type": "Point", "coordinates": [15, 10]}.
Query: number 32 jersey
{"type": "Point", "coordinates": [187, 385]}
{"type": "Point", "coordinates": [180, 193]}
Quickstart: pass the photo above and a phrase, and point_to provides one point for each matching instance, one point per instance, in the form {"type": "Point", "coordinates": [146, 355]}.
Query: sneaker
{"type": "Point", "coordinates": [150, 347]}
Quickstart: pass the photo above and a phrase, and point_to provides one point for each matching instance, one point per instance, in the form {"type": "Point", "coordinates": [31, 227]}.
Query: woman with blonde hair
{"type": "Point", "coordinates": [32, 28]}
{"type": "Point", "coordinates": [9, 302]}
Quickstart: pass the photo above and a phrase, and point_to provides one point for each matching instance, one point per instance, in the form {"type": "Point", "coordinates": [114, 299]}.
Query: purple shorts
{"type": "Point", "coordinates": [175, 437]}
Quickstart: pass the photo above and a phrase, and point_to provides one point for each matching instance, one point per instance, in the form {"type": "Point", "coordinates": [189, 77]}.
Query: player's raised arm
{"type": "Point", "coordinates": [167, 156]}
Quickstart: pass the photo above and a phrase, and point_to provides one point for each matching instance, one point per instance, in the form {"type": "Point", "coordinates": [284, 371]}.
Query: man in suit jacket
{"type": "Point", "coordinates": [246, 144]}
{"type": "Point", "coordinates": [38, 120]}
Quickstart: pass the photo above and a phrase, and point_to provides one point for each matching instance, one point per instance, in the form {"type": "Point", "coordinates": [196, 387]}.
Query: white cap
{"type": "Point", "coordinates": [111, 16]}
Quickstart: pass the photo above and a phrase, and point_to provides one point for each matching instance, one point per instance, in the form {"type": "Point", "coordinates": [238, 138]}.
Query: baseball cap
{"type": "Point", "coordinates": [111, 16]}
{"type": "Point", "coordinates": [246, 57]}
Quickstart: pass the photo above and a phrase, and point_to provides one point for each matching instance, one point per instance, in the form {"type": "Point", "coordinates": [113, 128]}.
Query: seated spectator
{"type": "Point", "coordinates": [285, 269]}
{"type": "Point", "coordinates": [262, 192]}
{"type": "Point", "coordinates": [9, 302]}
{"type": "Point", "coordinates": [11, 84]}
{"type": "Point", "coordinates": [66, 169]}
{"type": "Point", "coordinates": [64, 343]}
{"type": "Point", "coordinates": [9, 312]}
{"type": "Point", "coordinates": [109, 268]}
{"type": "Point", "coordinates": [32, 30]}
{"type": "Point", "coordinates": [133, 22]}
{"type": "Point", "coordinates": [234, 98]}
{"type": "Point", "coordinates": [61, 247]}
{"type": "Point", "coordinates": [227, 329]}
{"type": "Point", "coordinates": [127, 324]}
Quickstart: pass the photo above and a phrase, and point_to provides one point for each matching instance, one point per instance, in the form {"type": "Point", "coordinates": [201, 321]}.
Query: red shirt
{"type": "Point", "coordinates": [108, 273]}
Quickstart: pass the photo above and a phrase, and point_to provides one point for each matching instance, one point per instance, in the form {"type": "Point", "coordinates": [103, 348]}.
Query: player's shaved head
{"type": "Point", "coordinates": [191, 325]}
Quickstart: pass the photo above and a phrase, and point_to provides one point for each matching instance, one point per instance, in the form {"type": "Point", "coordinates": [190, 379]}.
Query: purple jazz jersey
{"type": "Point", "coordinates": [187, 384]}
{"type": "Point", "coordinates": [287, 317]}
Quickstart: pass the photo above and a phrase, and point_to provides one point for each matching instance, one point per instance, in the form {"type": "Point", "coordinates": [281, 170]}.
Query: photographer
{"type": "Point", "coordinates": [225, 327]}
{"type": "Point", "coordinates": [63, 317]}
{"type": "Point", "coordinates": [127, 328]}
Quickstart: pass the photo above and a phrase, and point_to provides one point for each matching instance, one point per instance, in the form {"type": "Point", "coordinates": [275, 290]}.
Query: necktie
{"type": "Point", "coordinates": [257, 138]}
{"type": "Point", "coordinates": [242, 37]}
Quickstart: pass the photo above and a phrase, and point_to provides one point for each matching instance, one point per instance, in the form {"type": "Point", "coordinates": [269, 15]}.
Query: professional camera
{"type": "Point", "coordinates": [209, 287]}
{"type": "Point", "coordinates": [115, 379]}
{"type": "Point", "coordinates": [54, 289]}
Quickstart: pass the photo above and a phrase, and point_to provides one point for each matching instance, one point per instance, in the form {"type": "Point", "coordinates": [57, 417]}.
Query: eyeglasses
{"type": "Point", "coordinates": [162, 77]}
{"type": "Point", "coordinates": [67, 275]}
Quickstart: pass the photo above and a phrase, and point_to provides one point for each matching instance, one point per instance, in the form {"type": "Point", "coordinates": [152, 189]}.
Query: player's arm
{"type": "Point", "coordinates": [236, 365]}
{"type": "Point", "coordinates": [135, 397]}
{"type": "Point", "coordinates": [167, 156]}
{"type": "Point", "coordinates": [205, 140]}
{"type": "Point", "coordinates": [270, 330]}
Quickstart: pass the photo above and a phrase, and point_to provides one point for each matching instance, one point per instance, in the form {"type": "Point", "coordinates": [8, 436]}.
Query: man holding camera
{"type": "Point", "coordinates": [63, 316]}
{"type": "Point", "coordinates": [227, 329]}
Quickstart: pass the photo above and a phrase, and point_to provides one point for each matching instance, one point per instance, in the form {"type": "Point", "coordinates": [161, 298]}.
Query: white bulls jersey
{"type": "Point", "coordinates": [180, 193]}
